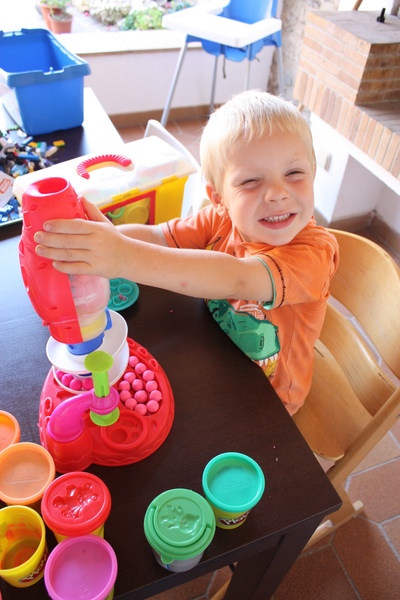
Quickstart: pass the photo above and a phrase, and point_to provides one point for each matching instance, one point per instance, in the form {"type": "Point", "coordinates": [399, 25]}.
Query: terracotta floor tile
{"type": "Point", "coordinates": [392, 530]}
{"type": "Point", "coordinates": [396, 430]}
{"type": "Point", "coordinates": [316, 577]}
{"type": "Point", "coordinates": [387, 449]}
{"type": "Point", "coordinates": [218, 580]}
{"type": "Point", "coordinates": [379, 490]}
{"type": "Point", "coordinates": [130, 134]}
{"type": "Point", "coordinates": [369, 560]}
{"type": "Point", "coordinates": [195, 589]}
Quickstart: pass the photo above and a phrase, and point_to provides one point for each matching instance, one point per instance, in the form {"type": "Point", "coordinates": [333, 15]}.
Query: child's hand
{"type": "Point", "coordinates": [77, 246]}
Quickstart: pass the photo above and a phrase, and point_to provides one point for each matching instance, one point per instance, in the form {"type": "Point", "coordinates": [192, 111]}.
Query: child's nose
{"type": "Point", "coordinates": [275, 193]}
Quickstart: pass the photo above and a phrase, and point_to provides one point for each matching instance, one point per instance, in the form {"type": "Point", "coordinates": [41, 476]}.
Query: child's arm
{"type": "Point", "coordinates": [139, 253]}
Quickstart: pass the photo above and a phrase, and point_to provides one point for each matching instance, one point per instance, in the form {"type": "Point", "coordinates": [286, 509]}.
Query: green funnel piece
{"type": "Point", "coordinates": [105, 420]}
{"type": "Point", "coordinates": [99, 363]}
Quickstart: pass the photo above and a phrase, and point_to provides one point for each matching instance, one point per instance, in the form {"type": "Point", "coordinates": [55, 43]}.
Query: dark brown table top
{"type": "Point", "coordinates": [223, 402]}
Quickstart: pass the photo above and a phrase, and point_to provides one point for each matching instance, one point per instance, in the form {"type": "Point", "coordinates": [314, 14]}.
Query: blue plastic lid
{"type": "Point", "coordinates": [123, 293]}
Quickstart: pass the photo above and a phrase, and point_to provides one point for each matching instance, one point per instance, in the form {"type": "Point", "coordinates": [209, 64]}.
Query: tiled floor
{"type": "Point", "coordinates": [362, 560]}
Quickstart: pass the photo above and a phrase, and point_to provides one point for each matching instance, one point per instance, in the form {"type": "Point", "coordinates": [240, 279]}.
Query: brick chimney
{"type": "Point", "coordinates": [349, 76]}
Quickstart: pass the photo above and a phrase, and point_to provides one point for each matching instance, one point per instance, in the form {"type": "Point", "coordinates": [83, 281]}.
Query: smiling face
{"type": "Point", "coordinates": [267, 188]}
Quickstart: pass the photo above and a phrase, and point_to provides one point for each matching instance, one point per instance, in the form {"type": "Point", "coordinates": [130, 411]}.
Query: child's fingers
{"type": "Point", "coordinates": [59, 240]}
{"type": "Point", "coordinates": [75, 268]}
{"type": "Point", "coordinates": [64, 254]}
{"type": "Point", "coordinates": [92, 212]}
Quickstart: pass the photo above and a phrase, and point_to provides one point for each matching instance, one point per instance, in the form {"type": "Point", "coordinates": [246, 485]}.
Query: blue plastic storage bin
{"type": "Point", "coordinates": [41, 82]}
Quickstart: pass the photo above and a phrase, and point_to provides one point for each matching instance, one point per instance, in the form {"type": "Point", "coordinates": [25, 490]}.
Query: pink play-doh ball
{"type": "Point", "coordinates": [155, 395]}
{"type": "Point", "coordinates": [152, 406]}
{"type": "Point", "coordinates": [151, 385]}
{"type": "Point", "coordinates": [130, 403]}
{"type": "Point", "coordinates": [148, 375]}
{"type": "Point", "coordinates": [66, 379]}
{"type": "Point", "coordinates": [59, 374]}
{"type": "Point", "coordinates": [137, 385]}
{"type": "Point", "coordinates": [129, 376]}
{"type": "Point", "coordinates": [76, 385]}
{"type": "Point", "coordinates": [133, 361]}
{"type": "Point", "coordinates": [140, 368]}
{"type": "Point", "coordinates": [87, 383]}
{"type": "Point", "coordinates": [124, 385]}
{"type": "Point", "coordinates": [124, 395]}
{"type": "Point", "coordinates": [141, 396]}
{"type": "Point", "coordinates": [141, 409]}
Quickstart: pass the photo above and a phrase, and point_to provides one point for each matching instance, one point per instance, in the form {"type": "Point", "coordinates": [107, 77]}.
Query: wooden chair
{"type": "Point", "coordinates": [355, 394]}
{"type": "Point", "coordinates": [355, 398]}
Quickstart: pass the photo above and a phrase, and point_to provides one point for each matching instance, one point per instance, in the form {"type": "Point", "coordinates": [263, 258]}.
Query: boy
{"type": "Point", "coordinates": [255, 253]}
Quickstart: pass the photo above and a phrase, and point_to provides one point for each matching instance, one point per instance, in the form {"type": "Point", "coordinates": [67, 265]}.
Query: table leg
{"type": "Point", "coordinates": [257, 577]}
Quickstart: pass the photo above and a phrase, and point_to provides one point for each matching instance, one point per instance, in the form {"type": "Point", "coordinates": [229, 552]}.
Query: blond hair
{"type": "Point", "coordinates": [245, 117]}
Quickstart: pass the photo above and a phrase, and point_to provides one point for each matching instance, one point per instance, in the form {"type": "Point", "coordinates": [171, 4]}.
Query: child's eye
{"type": "Point", "coordinates": [249, 182]}
{"type": "Point", "coordinates": [295, 173]}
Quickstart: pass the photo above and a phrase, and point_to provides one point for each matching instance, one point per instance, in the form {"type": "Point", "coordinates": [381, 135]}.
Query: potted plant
{"type": "Point", "coordinates": [60, 22]}
{"type": "Point", "coordinates": [52, 6]}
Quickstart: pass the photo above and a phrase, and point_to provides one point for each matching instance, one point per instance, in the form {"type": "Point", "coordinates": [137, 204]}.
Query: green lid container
{"type": "Point", "coordinates": [179, 524]}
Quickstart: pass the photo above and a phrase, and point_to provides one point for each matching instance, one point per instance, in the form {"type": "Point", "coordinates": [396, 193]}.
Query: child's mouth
{"type": "Point", "coordinates": [277, 218]}
{"type": "Point", "coordinates": [278, 221]}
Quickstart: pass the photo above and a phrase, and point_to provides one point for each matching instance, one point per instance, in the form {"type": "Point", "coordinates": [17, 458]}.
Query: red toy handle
{"type": "Point", "coordinates": [101, 161]}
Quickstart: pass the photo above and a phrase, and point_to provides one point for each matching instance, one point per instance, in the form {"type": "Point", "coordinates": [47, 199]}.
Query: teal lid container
{"type": "Point", "coordinates": [179, 525]}
{"type": "Point", "coordinates": [233, 483]}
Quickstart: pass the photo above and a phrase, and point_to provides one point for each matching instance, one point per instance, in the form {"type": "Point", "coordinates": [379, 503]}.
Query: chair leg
{"type": "Point", "coordinates": [213, 84]}
{"type": "Point", "coordinates": [280, 70]}
{"type": "Point", "coordinates": [346, 512]}
{"type": "Point", "coordinates": [221, 592]}
{"type": "Point", "coordinates": [165, 115]}
{"type": "Point", "coordinates": [247, 79]}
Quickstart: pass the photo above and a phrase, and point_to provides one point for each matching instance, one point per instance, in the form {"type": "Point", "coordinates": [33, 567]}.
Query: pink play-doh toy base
{"type": "Point", "coordinates": [143, 425]}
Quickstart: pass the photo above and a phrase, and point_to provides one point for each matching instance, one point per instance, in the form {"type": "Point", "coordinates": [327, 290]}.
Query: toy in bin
{"type": "Point", "coordinates": [140, 182]}
{"type": "Point", "coordinates": [105, 400]}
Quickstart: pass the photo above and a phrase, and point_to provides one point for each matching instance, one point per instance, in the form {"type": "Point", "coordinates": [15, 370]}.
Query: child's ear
{"type": "Point", "coordinates": [215, 198]}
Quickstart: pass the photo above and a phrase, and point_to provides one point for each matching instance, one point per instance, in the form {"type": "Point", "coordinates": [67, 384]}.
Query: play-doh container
{"type": "Point", "coordinates": [179, 525]}
{"type": "Point", "coordinates": [76, 504]}
{"type": "Point", "coordinates": [82, 568]}
{"type": "Point", "coordinates": [23, 549]}
{"type": "Point", "coordinates": [10, 432]}
{"type": "Point", "coordinates": [26, 469]}
{"type": "Point", "coordinates": [233, 484]}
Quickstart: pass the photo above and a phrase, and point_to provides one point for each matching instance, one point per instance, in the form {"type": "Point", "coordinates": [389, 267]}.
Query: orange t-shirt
{"type": "Point", "coordinates": [280, 335]}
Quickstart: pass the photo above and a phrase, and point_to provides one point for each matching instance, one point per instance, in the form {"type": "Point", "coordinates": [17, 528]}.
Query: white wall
{"type": "Point", "coordinates": [128, 78]}
{"type": "Point", "coordinates": [349, 183]}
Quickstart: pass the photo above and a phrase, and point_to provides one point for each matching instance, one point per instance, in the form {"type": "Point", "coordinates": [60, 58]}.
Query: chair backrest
{"type": "Point", "coordinates": [245, 11]}
{"type": "Point", "coordinates": [367, 284]}
{"type": "Point", "coordinates": [250, 11]}
{"type": "Point", "coordinates": [355, 395]}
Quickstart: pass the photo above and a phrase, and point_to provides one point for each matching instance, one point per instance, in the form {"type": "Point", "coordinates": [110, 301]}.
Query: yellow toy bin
{"type": "Point", "coordinates": [139, 182]}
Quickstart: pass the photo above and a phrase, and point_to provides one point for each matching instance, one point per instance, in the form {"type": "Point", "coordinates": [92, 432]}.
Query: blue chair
{"type": "Point", "coordinates": [238, 30]}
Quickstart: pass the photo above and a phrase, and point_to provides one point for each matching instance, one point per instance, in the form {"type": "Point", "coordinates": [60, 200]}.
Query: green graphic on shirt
{"type": "Point", "coordinates": [257, 339]}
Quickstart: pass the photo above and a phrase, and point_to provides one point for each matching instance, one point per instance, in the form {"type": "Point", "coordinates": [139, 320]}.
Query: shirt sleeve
{"type": "Point", "coordinates": [190, 232]}
{"type": "Point", "coordinates": [302, 270]}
